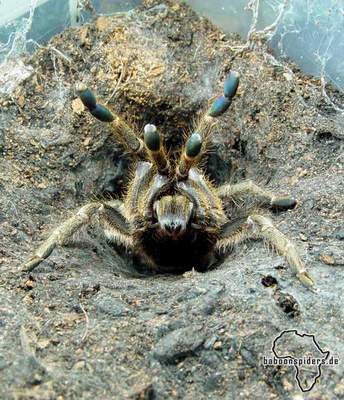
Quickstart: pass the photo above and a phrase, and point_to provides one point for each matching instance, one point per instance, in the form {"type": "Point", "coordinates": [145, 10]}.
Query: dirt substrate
{"type": "Point", "coordinates": [80, 327]}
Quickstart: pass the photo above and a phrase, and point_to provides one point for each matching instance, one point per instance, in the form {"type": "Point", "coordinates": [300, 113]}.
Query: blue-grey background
{"type": "Point", "coordinates": [309, 32]}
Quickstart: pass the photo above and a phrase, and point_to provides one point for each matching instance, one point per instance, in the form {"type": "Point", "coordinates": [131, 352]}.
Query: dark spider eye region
{"type": "Point", "coordinates": [173, 228]}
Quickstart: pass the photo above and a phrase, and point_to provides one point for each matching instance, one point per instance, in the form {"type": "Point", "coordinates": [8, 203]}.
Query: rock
{"type": "Point", "coordinates": [47, 138]}
{"type": "Point", "coordinates": [327, 259]}
{"type": "Point", "coordinates": [32, 371]}
{"type": "Point", "coordinates": [249, 356]}
{"type": "Point", "coordinates": [206, 304]}
{"type": "Point", "coordinates": [145, 392]}
{"type": "Point", "coordinates": [339, 234]}
{"type": "Point", "coordinates": [211, 358]}
{"type": "Point", "coordinates": [107, 304]}
{"type": "Point", "coordinates": [179, 344]}
{"type": "Point", "coordinates": [79, 365]}
{"type": "Point", "coordinates": [332, 255]}
{"type": "Point", "coordinates": [213, 382]}
{"type": "Point", "coordinates": [209, 344]}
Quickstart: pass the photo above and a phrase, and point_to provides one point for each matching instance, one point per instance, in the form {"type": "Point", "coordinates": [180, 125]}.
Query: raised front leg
{"type": "Point", "coordinates": [110, 218]}
{"type": "Point", "coordinates": [249, 188]}
{"type": "Point", "coordinates": [219, 106]}
{"type": "Point", "coordinates": [123, 133]}
{"type": "Point", "coordinates": [198, 143]}
{"type": "Point", "coordinates": [260, 227]}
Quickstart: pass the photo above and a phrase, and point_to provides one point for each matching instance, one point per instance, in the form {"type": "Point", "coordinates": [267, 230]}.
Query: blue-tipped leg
{"type": "Point", "coordinates": [155, 149]}
{"type": "Point", "coordinates": [190, 156]}
{"type": "Point", "coordinates": [152, 137]}
{"type": "Point", "coordinates": [231, 85]}
{"type": "Point", "coordinates": [87, 97]}
{"type": "Point", "coordinates": [222, 103]}
{"type": "Point", "coordinates": [219, 106]}
{"type": "Point", "coordinates": [283, 203]}
{"type": "Point", "coordinates": [90, 102]}
{"type": "Point", "coordinates": [193, 145]}
{"type": "Point", "coordinates": [102, 113]}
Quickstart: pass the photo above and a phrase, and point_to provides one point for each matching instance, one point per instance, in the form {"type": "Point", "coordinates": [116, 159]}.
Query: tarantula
{"type": "Point", "coordinates": [172, 216]}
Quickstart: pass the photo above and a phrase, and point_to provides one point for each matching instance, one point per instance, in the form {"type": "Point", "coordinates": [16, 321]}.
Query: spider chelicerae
{"type": "Point", "coordinates": [172, 217]}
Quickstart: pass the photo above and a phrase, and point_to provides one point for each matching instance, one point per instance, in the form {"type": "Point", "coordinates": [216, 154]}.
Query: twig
{"type": "Point", "coordinates": [25, 342]}
{"type": "Point", "coordinates": [123, 70]}
{"type": "Point", "coordinates": [57, 52]}
{"type": "Point", "coordinates": [84, 336]}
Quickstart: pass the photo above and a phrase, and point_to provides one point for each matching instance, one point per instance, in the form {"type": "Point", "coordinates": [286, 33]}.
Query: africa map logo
{"type": "Point", "coordinates": [301, 351]}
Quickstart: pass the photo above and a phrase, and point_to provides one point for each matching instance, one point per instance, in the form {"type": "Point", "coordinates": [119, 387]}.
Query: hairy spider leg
{"type": "Point", "coordinates": [155, 149]}
{"type": "Point", "coordinates": [107, 215]}
{"type": "Point", "coordinates": [266, 198]}
{"type": "Point", "coordinates": [257, 226]}
{"type": "Point", "coordinates": [190, 156]}
{"type": "Point", "coordinates": [121, 130]}
{"type": "Point", "coordinates": [220, 105]}
{"type": "Point", "coordinates": [145, 187]}
{"type": "Point", "coordinates": [210, 204]}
